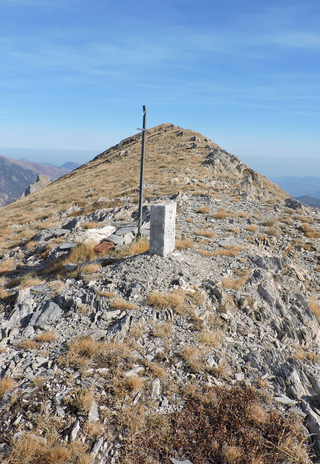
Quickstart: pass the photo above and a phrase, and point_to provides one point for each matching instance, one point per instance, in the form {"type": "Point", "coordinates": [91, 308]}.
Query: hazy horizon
{"type": "Point", "coordinates": [74, 76]}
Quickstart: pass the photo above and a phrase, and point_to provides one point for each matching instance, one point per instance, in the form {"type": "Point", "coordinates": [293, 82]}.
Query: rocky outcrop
{"type": "Point", "coordinates": [40, 183]}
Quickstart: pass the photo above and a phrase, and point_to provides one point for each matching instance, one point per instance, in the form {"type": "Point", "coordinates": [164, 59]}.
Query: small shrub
{"type": "Point", "coordinates": [219, 425]}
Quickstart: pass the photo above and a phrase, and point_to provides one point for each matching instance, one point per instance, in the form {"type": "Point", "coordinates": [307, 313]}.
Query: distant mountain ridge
{"type": "Point", "coordinates": [17, 175]}
{"type": "Point", "coordinates": [299, 186]}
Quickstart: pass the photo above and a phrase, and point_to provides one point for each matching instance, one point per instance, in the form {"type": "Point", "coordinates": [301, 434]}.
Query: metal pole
{"type": "Point", "coordinates": [142, 169]}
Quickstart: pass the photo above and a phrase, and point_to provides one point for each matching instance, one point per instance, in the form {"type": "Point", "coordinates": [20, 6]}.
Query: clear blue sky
{"type": "Point", "coordinates": [74, 75]}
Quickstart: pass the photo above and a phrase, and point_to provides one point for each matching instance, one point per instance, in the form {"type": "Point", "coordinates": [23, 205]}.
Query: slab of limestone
{"type": "Point", "coordinates": [162, 228]}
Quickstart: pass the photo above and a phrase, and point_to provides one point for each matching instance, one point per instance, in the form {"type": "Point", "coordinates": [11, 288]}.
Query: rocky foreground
{"type": "Point", "coordinates": [211, 355]}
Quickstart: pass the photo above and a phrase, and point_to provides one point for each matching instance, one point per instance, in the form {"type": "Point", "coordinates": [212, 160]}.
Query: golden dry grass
{"type": "Point", "coordinates": [30, 449]}
{"type": "Point", "coordinates": [252, 228]}
{"type": "Point", "coordinates": [122, 304]}
{"type": "Point", "coordinates": [204, 210]}
{"type": "Point", "coordinates": [7, 266]}
{"type": "Point", "coordinates": [211, 337]}
{"type": "Point", "coordinates": [205, 233]}
{"type": "Point", "coordinates": [309, 232]}
{"type": "Point", "coordinates": [90, 268]}
{"type": "Point", "coordinates": [6, 385]}
{"type": "Point", "coordinates": [163, 300]}
{"type": "Point", "coordinates": [237, 284]}
{"type": "Point", "coordinates": [205, 253]}
{"type": "Point", "coordinates": [315, 306]}
{"type": "Point", "coordinates": [46, 337]}
{"type": "Point", "coordinates": [222, 214]}
{"type": "Point", "coordinates": [184, 244]}
{"type": "Point", "coordinates": [228, 251]}
{"type": "Point", "coordinates": [28, 345]}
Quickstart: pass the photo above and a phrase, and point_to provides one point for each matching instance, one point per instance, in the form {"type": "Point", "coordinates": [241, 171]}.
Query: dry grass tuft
{"type": "Point", "coordinates": [309, 232]}
{"type": "Point", "coordinates": [80, 351]}
{"type": "Point", "coordinates": [206, 253]}
{"type": "Point", "coordinates": [29, 449]}
{"type": "Point", "coordinates": [136, 248]}
{"type": "Point", "coordinates": [90, 268]}
{"type": "Point", "coordinates": [120, 303]}
{"type": "Point", "coordinates": [28, 345]}
{"type": "Point", "coordinates": [237, 284]}
{"type": "Point", "coordinates": [134, 383]}
{"type": "Point", "coordinates": [252, 228]}
{"type": "Point", "coordinates": [46, 337]}
{"type": "Point", "coordinates": [272, 231]}
{"type": "Point", "coordinates": [183, 244]}
{"type": "Point", "coordinates": [205, 233]}
{"type": "Point", "coordinates": [6, 385]}
{"type": "Point", "coordinates": [204, 210]}
{"type": "Point", "coordinates": [211, 337]}
{"type": "Point", "coordinates": [228, 251]}
{"type": "Point", "coordinates": [160, 300]}
{"type": "Point", "coordinates": [7, 266]}
{"type": "Point", "coordinates": [221, 214]}
{"type": "Point", "coordinates": [305, 355]}
{"type": "Point", "coordinates": [315, 306]}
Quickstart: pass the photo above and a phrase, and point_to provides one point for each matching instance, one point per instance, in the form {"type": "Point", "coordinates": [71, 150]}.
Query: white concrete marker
{"type": "Point", "coordinates": [162, 228]}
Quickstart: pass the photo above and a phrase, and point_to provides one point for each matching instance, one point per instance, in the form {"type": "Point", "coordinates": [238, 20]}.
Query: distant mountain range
{"type": "Point", "coordinates": [305, 189]}
{"type": "Point", "coordinates": [17, 175]}
{"type": "Point", "coordinates": [299, 186]}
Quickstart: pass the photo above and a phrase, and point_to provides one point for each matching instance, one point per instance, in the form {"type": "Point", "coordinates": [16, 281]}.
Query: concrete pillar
{"type": "Point", "coordinates": [162, 228]}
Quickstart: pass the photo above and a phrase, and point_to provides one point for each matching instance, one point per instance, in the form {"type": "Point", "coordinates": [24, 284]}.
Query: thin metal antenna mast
{"type": "Point", "coordinates": [144, 130]}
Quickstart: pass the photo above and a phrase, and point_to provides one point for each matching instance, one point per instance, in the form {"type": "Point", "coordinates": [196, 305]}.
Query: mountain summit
{"type": "Point", "coordinates": [110, 354]}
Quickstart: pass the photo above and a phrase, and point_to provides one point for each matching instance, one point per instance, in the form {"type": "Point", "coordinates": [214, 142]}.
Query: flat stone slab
{"type": "Point", "coordinates": [126, 229]}
{"type": "Point", "coordinates": [230, 241]}
{"type": "Point", "coordinates": [116, 239]}
{"type": "Point", "coordinates": [67, 246]}
{"type": "Point", "coordinates": [60, 232]}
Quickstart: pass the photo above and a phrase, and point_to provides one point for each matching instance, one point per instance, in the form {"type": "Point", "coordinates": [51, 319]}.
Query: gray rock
{"type": "Point", "coordinates": [292, 203]}
{"type": "Point", "coordinates": [93, 415]}
{"type": "Point", "coordinates": [50, 312]}
{"type": "Point", "coordinates": [67, 246]}
{"type": "Point", "coordinates": [175, 461]}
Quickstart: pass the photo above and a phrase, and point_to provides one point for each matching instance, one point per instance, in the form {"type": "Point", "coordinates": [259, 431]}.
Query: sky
{"type": "Point", "coordinates": [74, 75]}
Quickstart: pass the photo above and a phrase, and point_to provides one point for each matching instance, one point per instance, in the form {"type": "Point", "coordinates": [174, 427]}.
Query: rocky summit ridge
{"type": "Point", "coordinates": [110, 355]}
